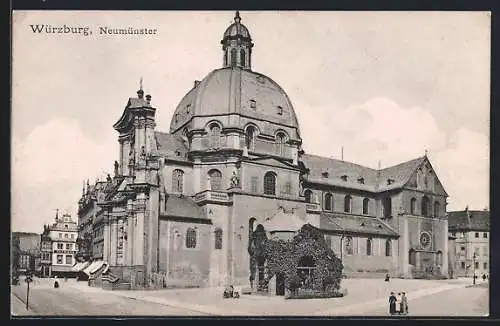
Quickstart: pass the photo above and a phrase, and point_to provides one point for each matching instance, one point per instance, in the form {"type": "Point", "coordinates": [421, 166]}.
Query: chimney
{"type": "Point", "coordinates": [148, 99]}
{"type": "Point", "coordinates": [196, 83]}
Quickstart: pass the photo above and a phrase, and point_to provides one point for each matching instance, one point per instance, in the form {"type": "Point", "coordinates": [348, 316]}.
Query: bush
{"type": "Point", "coordinates": [292, 282]}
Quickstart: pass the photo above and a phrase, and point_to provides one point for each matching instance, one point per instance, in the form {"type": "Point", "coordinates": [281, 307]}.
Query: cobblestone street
{"type": "Point", "coordinates": [367, 297]}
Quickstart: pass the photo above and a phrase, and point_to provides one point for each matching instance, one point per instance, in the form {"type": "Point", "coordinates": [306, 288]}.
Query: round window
{"type": "Point", "coordinates": [425, 240]}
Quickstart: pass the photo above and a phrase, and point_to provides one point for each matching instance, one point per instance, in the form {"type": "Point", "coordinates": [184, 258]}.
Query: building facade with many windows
{"type": "Point", "coordinates": [471, 230]}
{"type": "Point", "coordinates": [58, 242]}
{"type": "Point", "coordinates": [182, 206]}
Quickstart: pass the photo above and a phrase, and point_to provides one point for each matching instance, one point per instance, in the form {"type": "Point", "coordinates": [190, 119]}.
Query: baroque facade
{"type": "Point", "coordinates": [182, 206]}
{"type": "Point", "coordinates": [58, 247]}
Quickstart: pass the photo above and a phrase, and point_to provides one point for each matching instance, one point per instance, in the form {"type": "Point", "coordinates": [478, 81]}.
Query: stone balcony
{"type": "Point", "coordinates": [313, 208]}
{"type": "Point", "coordinates": [213, 196]}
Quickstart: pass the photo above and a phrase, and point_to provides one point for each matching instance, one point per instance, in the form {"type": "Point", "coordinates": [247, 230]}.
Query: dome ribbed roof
{"type": "Point", "coordinates": [234, 90]}
{"type": "Point", "coordinates": [237, 29]}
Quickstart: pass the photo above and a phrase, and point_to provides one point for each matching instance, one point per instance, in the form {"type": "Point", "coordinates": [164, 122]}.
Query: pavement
{"type": "Point", "coordinates": [365, 297]}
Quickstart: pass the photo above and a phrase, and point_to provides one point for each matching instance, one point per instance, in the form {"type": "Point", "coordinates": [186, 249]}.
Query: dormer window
{"type": "Point", "coordinates": [280, 110]}
{"type": "Point", "coordinates": [188, 108]}
{"type": "Point", "coordinates": [344, 177]}
{"type": "Point", "coordinates": [361, 180]}
{"type": "Point", "coordinates": [253, 104]}
{"type": "Point", "coordinates": [390, 181]}
{"type": "Point", "coordinates": [177, 153]}
{"type": "Point", "coordinates": [261, 80]}
{"type": "Point", "coordinates": [176, 117]}
{"type": "Point", "coordinates": [325, 174]}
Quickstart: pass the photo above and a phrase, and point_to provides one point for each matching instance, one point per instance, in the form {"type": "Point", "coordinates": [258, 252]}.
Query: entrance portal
{"type": "Point", "coordinates": [280, 284]}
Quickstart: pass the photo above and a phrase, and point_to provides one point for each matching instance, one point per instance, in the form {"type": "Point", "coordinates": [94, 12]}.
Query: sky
{"type": "Point", "coordinates": [385, 86]}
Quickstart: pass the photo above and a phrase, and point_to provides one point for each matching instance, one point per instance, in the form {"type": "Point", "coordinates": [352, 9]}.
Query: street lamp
{"type": "Point", "coordinates": [341, 247]}
{"type": "Point", "coordinates": [474, 269]}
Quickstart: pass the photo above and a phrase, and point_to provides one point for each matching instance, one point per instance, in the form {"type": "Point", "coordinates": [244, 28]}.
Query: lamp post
{"type": "Point", "coordinates": [341, 248]}
{"type": "Point", "coordinates": [474, 269]}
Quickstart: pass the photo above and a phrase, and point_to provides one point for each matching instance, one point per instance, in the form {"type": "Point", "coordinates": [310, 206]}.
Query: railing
{"type": "Point", "coordinates": [313, 207]}
{"type": "Point", "coordinates": [217, 196]}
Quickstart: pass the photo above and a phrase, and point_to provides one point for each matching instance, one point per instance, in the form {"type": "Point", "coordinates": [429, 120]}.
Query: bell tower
{"type": "Point", "coordinates": [237, 45]}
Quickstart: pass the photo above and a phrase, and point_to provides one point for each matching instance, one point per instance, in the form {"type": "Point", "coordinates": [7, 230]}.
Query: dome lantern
{"type": "Point", "coordinates": [237, 45]}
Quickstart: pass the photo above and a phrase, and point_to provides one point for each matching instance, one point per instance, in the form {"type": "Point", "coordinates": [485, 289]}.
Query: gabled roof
{"type": "Point", "coordinates": [283, 221]}
{"type": "Point", "coordinates": [272, 161]}
{"type": "Point", "coordinates": [182, 206]}
{"type": "Point", "coordinates": [468, 220]}
{"type": "Point", "coordinates": [347, 223]}
{"type": "Point", "coordinates": [373, 180]}
{"type": "Point", "coordinates": [171, 146]}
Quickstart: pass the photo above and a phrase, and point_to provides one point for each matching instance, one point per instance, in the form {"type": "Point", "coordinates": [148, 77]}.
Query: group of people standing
{"type": "Point", "coordinates": [398, 305]}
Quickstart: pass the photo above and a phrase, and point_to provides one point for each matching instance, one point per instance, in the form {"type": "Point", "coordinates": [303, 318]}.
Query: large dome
{"type": "Point", "coordinates": [233, 90]}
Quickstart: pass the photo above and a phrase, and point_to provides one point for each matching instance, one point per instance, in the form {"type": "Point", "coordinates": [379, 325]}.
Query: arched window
{"type": "Point", "coordinates": [218, 238]}
{"type": "Point", "coordinates": [436, 209]}
{"type": "Point", "coordinates": [308, 195]}
{"type": "Point", "coordinates": [280, 143]}
{"type": "Point", "coordinates": [388, 248]}
{"type": "Point", "coordinates": [328, 202]}
{"type": "Point", "coordinates": [225, 59]}
{"type": "Point", "coordinates": [191, 238]}
{"type": "Point", "coordinates": [387, 207]}
{"type": "Point", "coordinates": [349, 246]}
{"type": "Point", "coordinates": [425, 206]}
{"type": "Point", "coordinates": [214, 135]}
{"type": "Point", "coordinates": [242, 57]}
{"type": "Point", "coordinates": [366, 202]}
{"type": "Point", "coordinates": [249, 138]}
{"type": "Point", "coordinates": [177, 180]}
{"type": "Point", "coordinates": [215, 179]}
{"type": "Point", "coordinates": [368, 247]}
{"type": "Point", "coordinates": [270, 183]}
{"type": "Point", "coordinates": [413, 205]}
{"type": "Point", "coordinates": [347, 204]}
{"type": "Point", "coordinates": [233, 57]}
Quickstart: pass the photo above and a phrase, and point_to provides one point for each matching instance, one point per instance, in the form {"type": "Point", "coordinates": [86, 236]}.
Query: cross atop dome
{"type": "Point", "coordinates": [237, 17]}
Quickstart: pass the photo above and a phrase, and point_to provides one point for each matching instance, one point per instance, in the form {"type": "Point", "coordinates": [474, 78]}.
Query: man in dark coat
{"type": "Point", "coordinates": [392, 304]}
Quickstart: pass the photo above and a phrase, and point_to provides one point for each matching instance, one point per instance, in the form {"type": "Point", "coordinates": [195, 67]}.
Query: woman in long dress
{"type": "Point", "coordinates": [392, 304]}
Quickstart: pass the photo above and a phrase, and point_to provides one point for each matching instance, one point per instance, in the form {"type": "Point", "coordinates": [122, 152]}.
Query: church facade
{"type": "Point", "coordinates": [182, 206]}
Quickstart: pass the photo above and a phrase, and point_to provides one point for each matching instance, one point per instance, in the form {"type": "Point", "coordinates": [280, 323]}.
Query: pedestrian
{"type": "Point", "coordinates": [387, 277]}
{"type": "Point", "coordinates": [392, 304]}
{"type": "Point", "coordinates": [398, 303]}
{"type": "Point", "coordinates": [404, 304]}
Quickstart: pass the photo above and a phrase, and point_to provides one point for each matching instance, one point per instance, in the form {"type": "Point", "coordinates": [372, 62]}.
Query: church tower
{"type": "Point", "coordinates": [237, 45]}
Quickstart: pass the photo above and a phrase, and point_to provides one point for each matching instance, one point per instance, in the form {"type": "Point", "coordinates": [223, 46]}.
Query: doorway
{"type": "Point", "coordinates": [280, 284]}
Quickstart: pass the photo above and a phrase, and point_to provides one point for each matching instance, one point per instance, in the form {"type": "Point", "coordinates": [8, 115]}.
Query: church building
{"type": "Point", "coordinates": [182, 205]}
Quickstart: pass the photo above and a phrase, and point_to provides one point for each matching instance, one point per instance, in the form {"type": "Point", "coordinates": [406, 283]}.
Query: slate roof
{"type": "Point", "coordinates": [374, 180]}
{"type": "Point", "coordinates": [468, 220]}
{"type": "Point", "coordinates": [182, 206]}
{"type": "Point", "coordinates": [347, 223]}
{"type": "Point", "coordinates": [171, 146]}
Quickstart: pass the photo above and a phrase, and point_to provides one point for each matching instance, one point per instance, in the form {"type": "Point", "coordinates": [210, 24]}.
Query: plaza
{"type": "Point", "coordinates": [366, 297]}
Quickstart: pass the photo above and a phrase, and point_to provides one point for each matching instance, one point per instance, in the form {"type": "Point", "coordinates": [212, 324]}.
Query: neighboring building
{"type": "Point", "coordinates": [46, 252]}
{"type": "Point", "coordinates": [183, 205]}
{"type": "Point", "coordinates": [61, 236]}
{"type": "Point", "coordinates": [29, 251]}
{"type": "Point", "coordinates": [472, 232]}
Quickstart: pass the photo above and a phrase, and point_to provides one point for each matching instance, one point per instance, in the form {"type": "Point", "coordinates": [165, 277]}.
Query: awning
{"type": "Point", "coordinates": [78, 267]}
{"type": "Point", "coordinates": [94, 267]}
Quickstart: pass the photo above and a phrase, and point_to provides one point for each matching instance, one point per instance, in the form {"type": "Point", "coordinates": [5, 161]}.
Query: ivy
{"type": "Point", "coordinates": [283, 256]}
